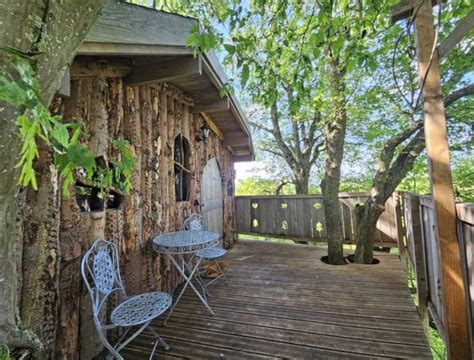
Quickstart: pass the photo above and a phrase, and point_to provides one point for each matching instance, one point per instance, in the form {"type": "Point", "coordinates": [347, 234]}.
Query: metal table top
{"type": "Point", "coordinates": [184, 242]}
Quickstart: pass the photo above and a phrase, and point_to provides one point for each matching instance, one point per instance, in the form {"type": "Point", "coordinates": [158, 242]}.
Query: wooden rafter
{"type": "Point", "coordinates": [165, 71]}
{"type": "Point", "coordinates": [214, 106]}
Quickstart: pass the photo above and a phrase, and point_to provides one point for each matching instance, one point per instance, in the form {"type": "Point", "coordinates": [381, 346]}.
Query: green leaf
{"type": "Point", "coordinates": [61, 135]}
{"type": "Point", "coordinates": [81, 156]}
{"type": "Point", "coordinates": [230, 48]}
{"type": "Point", "coordinates": [61, 161]}
{"type": "Point", "coordinates": [244, 75]}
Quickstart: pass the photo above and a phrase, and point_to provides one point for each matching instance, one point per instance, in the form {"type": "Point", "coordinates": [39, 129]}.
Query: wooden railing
{"type": "Point", "coordinates": [301, 217]}
{"type": "Point", "coordinates": [419, 250]}
{"type": "Point", "coordinates": [408, 222]}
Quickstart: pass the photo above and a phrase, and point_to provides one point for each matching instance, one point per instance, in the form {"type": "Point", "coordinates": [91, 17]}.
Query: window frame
{"type": "Point", "coordinates": [181, 166]}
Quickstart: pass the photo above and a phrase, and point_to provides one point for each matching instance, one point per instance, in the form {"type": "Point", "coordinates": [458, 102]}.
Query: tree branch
{"type": "Point", "coordinates": [276, 131]}
{"type": "Point", "coordinates": [459, 94]}
{"type": "Point", "coordinates": [261, 127]}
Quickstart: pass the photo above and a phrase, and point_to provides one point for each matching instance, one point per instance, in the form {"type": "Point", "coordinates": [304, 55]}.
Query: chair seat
{"type": "Point", "coordinates": [211, 253]}
{"type": "Point", "coordinates": [140, 309]}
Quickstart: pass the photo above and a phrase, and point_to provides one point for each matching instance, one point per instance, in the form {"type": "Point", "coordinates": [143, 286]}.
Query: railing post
{"type": "Point", "coordinates": [398, 203]}
{"type": "Point", "coordinates": [419, 261]}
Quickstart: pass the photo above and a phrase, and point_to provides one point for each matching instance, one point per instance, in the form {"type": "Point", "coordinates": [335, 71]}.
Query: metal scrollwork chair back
{"type": "Point", "coordinates": [194, 222]}
{"type": "Point", "coordinates": [101, 274]}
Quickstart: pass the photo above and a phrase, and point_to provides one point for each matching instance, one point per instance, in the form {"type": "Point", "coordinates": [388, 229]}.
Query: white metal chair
{"type": "Point", "coordinates": [101, 274]}
{"type": "Point", "coordinates": [196, 222]}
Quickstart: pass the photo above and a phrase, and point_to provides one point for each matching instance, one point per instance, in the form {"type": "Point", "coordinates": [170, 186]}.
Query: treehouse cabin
{"type": "Point", "coordinates": [142, 95]}
{"type": "Point", "coordinates": [133, 79]}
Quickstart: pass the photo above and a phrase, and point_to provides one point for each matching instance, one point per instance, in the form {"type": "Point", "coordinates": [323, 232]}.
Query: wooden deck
{"type": "Point", "coordinates": [283, 302]}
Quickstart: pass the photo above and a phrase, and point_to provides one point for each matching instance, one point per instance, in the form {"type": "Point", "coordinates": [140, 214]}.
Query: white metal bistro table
{"type": "Point", "coordinates": [181, 243]}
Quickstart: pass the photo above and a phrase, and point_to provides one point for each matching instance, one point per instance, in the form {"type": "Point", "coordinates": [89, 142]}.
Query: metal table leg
{"type": "Point", "coordinates": [182, 271]}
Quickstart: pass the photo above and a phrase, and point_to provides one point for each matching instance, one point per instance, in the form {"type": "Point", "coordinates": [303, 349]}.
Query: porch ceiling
{"type": "Point", "coordinates": [159, 54]}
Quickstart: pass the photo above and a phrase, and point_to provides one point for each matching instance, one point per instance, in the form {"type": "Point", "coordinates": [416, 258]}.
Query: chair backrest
{"type": "Point", "coordinates": [101, 274]}
{"type": "Point", "coordinates": [194, 222]}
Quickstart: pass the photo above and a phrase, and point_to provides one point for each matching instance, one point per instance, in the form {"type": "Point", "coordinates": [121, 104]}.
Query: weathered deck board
{"type": "Point", "coordinates": [283, 302]}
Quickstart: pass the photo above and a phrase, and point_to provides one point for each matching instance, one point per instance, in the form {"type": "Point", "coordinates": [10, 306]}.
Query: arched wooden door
{"type": "Point", "coordinates": [212, 199]}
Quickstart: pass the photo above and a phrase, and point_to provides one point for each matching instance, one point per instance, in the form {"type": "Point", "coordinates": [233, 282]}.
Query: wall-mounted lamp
{"type": "Point", "coordinates": [204, 133]}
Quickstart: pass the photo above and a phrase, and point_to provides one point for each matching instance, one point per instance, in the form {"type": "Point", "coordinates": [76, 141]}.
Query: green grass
{"type": "Point", "coordinates": [438, 348]}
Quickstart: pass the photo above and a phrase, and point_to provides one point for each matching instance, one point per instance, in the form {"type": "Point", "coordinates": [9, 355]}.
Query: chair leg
{"type": "Point", "coordinates": [159, 340]}
{"type": "Point", "coordinates": [113, 352]}
{"type": "Point", "coordinates": [221, 271]}
{"type": "Point", "coordinates": [201, 282]}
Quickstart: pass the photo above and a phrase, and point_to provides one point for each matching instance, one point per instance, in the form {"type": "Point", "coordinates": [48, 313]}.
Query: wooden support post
{"type": "Point", "coordinates": [419, 261]}
{"type": "Point", "coordinates": [398, 201]}
{"type": "Point", "coordinates": [441, 183]}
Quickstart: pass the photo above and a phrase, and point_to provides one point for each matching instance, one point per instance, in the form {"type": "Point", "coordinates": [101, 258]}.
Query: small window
{"type": "Point", "coordinates": [182, 178]}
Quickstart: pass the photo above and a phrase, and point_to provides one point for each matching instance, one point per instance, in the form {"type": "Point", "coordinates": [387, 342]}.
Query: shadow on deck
{"type": "Point", "coordinates": [283, 302]}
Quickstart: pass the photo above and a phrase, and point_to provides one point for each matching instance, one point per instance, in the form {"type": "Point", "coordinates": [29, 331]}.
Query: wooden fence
{"type": "Point", "coordinates": [419, 250]}
{"type": "Point", "coordinates": [301, 217]}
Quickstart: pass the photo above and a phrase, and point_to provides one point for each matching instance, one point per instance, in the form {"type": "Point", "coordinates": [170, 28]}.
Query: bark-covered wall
{"type": "Point", "coordinates": [150, 117]}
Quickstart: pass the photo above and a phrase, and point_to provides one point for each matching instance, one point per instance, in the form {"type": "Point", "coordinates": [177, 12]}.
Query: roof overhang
{"type": "Point", "coordinates": [155, 42]}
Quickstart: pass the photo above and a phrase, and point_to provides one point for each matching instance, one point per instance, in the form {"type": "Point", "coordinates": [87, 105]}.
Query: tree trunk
{"type": "Point", "coordinates": [51, 31]}
{"type": "Point", "coordinates": [302, 182]}
{"type": "Point", "coordinates": [367, 216]}
{"type": "Point", "coordinates": [302, 186]}
{"type": "Point", "coordinates": [9, 332]}
{"type": "Point", "coordinates": [389, 175]}
{"type": "Point", "coordinates": [335, 132]}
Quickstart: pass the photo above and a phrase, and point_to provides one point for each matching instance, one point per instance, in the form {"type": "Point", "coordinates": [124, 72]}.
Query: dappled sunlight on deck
{"type": "Point", "coordinates": [283, 302]}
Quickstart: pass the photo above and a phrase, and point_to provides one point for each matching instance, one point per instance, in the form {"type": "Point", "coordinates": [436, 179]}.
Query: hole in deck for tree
{"type": "Point", "coordinates": [350, 258]}
{"type": "Point", "coordinates": [325, 259]}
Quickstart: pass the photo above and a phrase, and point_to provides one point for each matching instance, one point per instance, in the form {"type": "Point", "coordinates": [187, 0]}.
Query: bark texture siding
{"type": "Point", "coordinates": [149, 117]}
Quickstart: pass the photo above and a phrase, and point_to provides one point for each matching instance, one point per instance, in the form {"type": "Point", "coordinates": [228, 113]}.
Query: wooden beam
{"type": "Point", "coordinates": [240, 140]}
{"type": "Point", "coordinates": [241, 158]}
{"type": "Point", "coordinates": [165, 71]}
{"type": "Point", "coordinates": [214, 106]}
{"type": "Point", "coordinates": [114, 49]}
{"type": "Point", "coordinates": [100, 68]}
{"type": "Point", "coordinates": [241, 152]}
{"type": "Point", "coordinates": [405, 8]}
{"type": "Point", "coordinates": [465, 25]}
{"type": "Point", "coordinates": [212, 125]}
{"type": "Point", "coordinates": [453, 285]}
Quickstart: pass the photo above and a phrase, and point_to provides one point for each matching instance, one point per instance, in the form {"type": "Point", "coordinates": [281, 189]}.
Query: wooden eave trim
{"type": "Point", "coordinates": [123, 49]}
